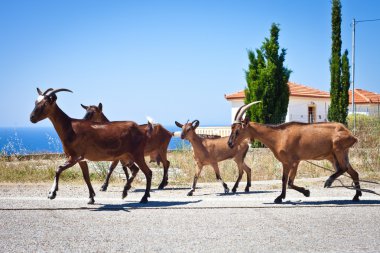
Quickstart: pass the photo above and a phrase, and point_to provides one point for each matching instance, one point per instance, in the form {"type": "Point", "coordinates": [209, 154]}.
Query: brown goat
{"type": "Point", "coordinates": [211, 151]}
{"type": "Point", "coordinates": [83, 139]}
{"type": "Point", "coordinates": [156, 147]}
{"type": "Point", "coordinates": [293, 142]}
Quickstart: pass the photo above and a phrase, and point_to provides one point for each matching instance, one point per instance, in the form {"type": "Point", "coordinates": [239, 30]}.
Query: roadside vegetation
{"type": "Point", "coordinates": [364, 157]}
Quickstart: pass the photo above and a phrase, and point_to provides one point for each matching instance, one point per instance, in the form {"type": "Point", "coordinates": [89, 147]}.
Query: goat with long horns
{"type": "Point", "coordinates": [83, 139]}
{"type": "Point", "coordinates": [294, 142]}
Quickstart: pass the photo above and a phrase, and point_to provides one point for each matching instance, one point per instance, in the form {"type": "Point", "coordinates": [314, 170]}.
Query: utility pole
{"type": "Point", "coordinates": [354, 22]}
{"type": "Point", "coordinates": [353, 72]}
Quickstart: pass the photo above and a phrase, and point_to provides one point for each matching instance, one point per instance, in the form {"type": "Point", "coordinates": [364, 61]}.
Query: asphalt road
{"type": "Point", "coordinates": [209, 221]}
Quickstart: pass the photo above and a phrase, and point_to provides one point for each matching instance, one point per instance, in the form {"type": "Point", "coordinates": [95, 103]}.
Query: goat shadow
{"type": "Point", "coordinates": [165, 189]}
{"type": "Point", "coordinates": [328, 202]}
{"type": "Point", "coordinates": [238, 193]}
{"type": "Point", "coordinates": [135, 205]}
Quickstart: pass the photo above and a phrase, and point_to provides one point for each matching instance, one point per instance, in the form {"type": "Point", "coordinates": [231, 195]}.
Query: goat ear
{"type": "Point", "coordinates": [100, 106]}
{"type": "Point", "coordinates": [84, 107]}
{"type": "Point", "coordinates": [178, 124]}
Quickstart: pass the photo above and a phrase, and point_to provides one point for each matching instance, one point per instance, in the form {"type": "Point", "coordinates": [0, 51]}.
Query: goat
{"type": "Point", "coordinates": [211, 151]}
{"type": "Point", "coordinates": [156, 147]}
{"type": "Point", "coordinates": [83, 139]}
{"type": "Point", "coordinates": [294, 142]}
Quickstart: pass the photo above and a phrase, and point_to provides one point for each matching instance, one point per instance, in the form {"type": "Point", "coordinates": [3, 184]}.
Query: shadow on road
{"type": "Point", "coordinates": [150, 205]}
{"type": "Point", "coordinates": [328, 203]}
{"type": "Point", "coordinates": [242, 193]}
{"type": "Point", "coordinates": [165, 189]}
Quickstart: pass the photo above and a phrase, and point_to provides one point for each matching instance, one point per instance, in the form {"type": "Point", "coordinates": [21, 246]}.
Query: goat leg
{"type": "Point", "coordinates": [128, 184]}
{"type": "Point", "coordinates": [238, 180]}
{"type": "Point", "coordinates": [86, 175]}
{"type": "Point", "coordinates": [113, 165]}
{"type": "Point", "coordinates": [165, 177]}
{"type": "Point", "coordinates": [355, 177]}
{"type": "Point", "coordinates": [53, 191]}
{"type": "Point", "coordinates": [285, 176]}
{"type": "Point", "coordinates": [219, 178]}
{"type": "Point", "coordinates": [148, 176]}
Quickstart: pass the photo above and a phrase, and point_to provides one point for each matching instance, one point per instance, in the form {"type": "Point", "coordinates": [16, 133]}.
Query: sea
{"type": "Point", "coordinates": [41, 140]}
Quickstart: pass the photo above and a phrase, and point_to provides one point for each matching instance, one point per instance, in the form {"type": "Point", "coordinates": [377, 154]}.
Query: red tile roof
{"type": "Point", "coordinates": [296, 90]}
{"type": "Point", "coordinates": [364, 97]}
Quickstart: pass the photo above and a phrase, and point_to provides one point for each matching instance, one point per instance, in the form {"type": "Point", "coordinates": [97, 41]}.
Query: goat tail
{"type": "Point", "coordinates": [353, 140]}
{"type": "Point", "coordinates": [150, 120]}
{"type": "Point", "coordinates": [176, 134]}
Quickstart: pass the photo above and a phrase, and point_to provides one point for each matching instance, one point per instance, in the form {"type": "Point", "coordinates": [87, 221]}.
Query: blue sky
{"type": "Point", "coordinates": [171, 60]}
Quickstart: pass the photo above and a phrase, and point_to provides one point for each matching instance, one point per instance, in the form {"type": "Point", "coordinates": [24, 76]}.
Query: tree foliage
{"type": "Point", "coordinates": [339, 70]}
{"type": "Point", "coordinates": [267, 81]}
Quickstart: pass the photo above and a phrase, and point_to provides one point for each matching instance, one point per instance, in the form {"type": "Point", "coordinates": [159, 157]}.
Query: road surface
{"type": "Point", "coordinates": [209, 221]}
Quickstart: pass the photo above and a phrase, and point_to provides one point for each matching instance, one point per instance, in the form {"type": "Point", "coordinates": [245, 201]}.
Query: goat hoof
{"type": "Point", "coordinates": [226, 190]}
{"type": "Point", "coordinates": [162, 185]}
{"type": "Point", "coordinates": [233, 190]}
{"type": "Point", "coordinates": [91, 201]}
{"type": "Point", "coordinates": [144, 200]}
{"type": "Point", "coordinates": [125, 194]}
{"type": "Point", "coordinates": [246, 189]}
{"type": "Point", "coordinates": [328, 183]}
{"type": "Point", "coordinates": [103, 188]}
{"type": "Point", "coordinates": [356, 198]}
{"type": "Point", "coordinates": [278, 200]}
{"type": "Point", "coordinates": [190, 193]}
{"type": "Point", "coordinates": [52, 195]}
{"type": "Point", "coordinates": [306, 193]}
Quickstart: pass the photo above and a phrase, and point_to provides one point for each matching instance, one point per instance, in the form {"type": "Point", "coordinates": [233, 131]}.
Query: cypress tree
{"type": "Point", "coordinates": [339, 70]}
{"type": "Point", "coordinates": [345, 79]}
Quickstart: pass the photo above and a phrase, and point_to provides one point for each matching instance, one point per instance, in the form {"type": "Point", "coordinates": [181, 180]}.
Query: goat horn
{"type": "Point", "coordinates": [242, 110]}
{"type": "Point", "coordinates": [58, 90]}
{"type": "Point", "coordinates": [238, 111]}
{"type": "Point", "coordinates": [46, 91]}
{"type": "Point", "coordinates": [196, 123]}
{"type": "Point", "coordinates": [43, 93]}
{"type": "Point", "coordinates": [84, 106]}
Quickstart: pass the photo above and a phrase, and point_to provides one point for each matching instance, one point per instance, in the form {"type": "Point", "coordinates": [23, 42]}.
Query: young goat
{"type": "Point", "coordinates": [83, 139]}
{"type": "Point", "coordinates": [293, 142]}
{"type": "Point", "coordinates": [156, 146]}
{"type": "Point", "coordinates": [211, 151]}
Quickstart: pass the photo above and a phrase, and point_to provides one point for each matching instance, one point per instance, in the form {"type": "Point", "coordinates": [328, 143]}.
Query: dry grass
{"type": "Point", "coordinates": [364, 157]}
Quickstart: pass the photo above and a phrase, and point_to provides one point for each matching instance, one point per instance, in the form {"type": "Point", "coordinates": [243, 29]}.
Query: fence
{"type": "Point", "coordinates": [220, 131]}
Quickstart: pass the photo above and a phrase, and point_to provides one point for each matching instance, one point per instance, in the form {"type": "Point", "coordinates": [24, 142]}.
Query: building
{"type": "Point", "coordinates": [366, 102]}
{"type": "Point", "coordinates": [306, 104]}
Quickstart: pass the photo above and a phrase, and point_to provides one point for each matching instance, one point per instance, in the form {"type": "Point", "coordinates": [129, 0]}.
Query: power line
{"type": "Point", "coordinates": [367, 20]}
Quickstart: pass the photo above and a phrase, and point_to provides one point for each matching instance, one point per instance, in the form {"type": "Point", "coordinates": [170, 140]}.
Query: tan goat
{"type": "Point", "coordinates": [211, 151]}
{"type": "Point", "coordinates": [293, 142]}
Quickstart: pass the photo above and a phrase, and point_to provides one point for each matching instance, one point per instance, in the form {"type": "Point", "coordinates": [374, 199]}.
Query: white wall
{"type": "Point", "coordinates": [366, 109]}
{"type": "Point", "coordinates": [297, 108]}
